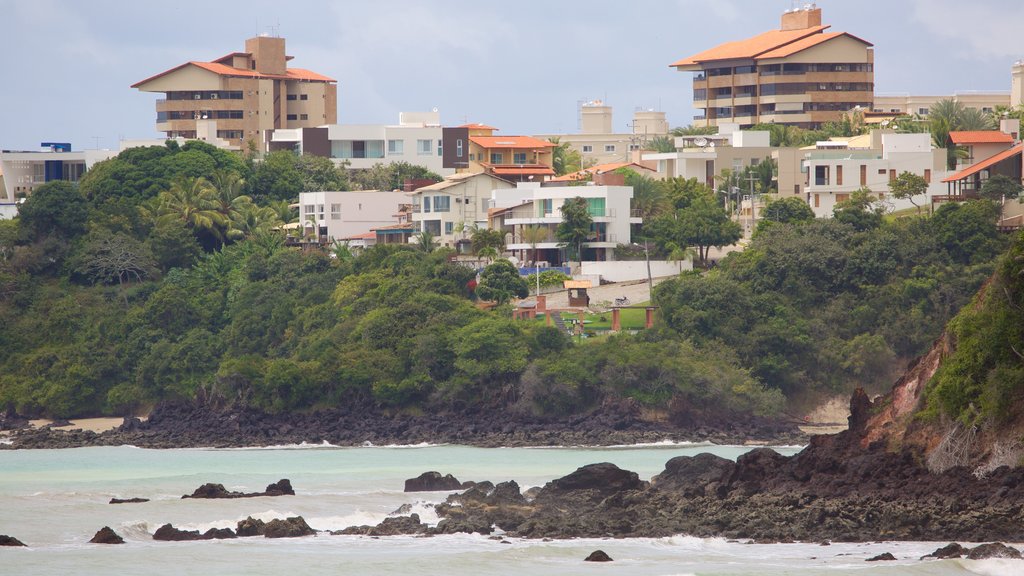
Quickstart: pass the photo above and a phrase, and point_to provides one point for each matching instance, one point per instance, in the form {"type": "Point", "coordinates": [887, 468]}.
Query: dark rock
{"type": "Point", "coordinates": [6, 540]}
{"type": "Point", "coordinates": [213, 491]}
{"type": "Point", "coordinates": [403, 510]}
{"type": "Point", "coordinates": [432, 482]}
{"type": "Point", "coordinates": [860, 411]}
{"type": "Point", "coordinates": [400, 525]}
{"type": "Point", "coordinates": [250, 527]}
{"type": "Point", "coordinates": [699, 475]}
{"type": "Point", "coordinates": [598, 556]}
{"type": "Point", "coordinates": [168, 533]}
{"type": "Point", "coordinates": [288, 528]}
{"type": "Point", "coordinates": [504, 494]}
{"type": "Point", "coordinates": [882, 556]}
{"type": "Point", "coordinates": [993, 550]}
{"type": "Point", "coordinates": [465, 525]}
{"type": "Point", "coordinates": [282, 487]}
{"type": "Point", "coordinates": [952, 550]}
{"type": "Point", "coordinates": [128, 500]}
{"type": "Point", "coordinates": [219, 534]}
{"type": "Point", "coordinates": [106, 536]}
{"type": "Point", "coordinates": [604, 478]}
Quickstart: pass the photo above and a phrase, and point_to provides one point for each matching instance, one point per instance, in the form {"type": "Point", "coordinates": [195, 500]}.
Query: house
{"type": "Point", "coordinates": [23, 171]}
{"type": "Point", "coordinates": [600, 169]}
{"type": "Point", "coordinates": [531, 205]}
{"type": "Point", "coordinates": [416, 139]}
{"type": "Point", "coordinates": [980, 144]}
{"type": "Point", "coordinates": [599, 143]}
{"type": "Point", "coordinates": [836, 168]}
{"type": "Point", "coordinates": [329, 216]}
{"type": "Point", "coordinates": [475, 148]}
{"type": "Point", "coordinates": [247, 93]}
{"type": "Point", "coordinates": [799, 75]}
{"type": "Point", "coordinates": [968, 181]}
{"type": "Point", "coordinates": [450, 209]}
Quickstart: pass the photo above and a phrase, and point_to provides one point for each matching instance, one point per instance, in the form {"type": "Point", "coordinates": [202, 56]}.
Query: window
{"type": "Point", "coordinates": [309, 209]}
{"type": "Point", "coordinates": [922, 111]}
{"type": "Point", "coordinates": [821, 175]}
{"type": "Point", "coordinates": [396, 147]}
{"type": "Point", "coordinates": [595, 206]}
{"type": "Point", "coordinates": [293, 117]}
{"type": "Point", "coordinates": [496, 158]}
{"type": "Point", "coordinates": [449, 227]}
{"type": "Point", "coordinates": [291, 97]}
{"type": "Point", "coordinates": [587, 148]}
{"type": "Point", "coordinates": [440, 148]}
{"type": "Point", "coordinates": [609, 147]}
{"type": "Point", "coordinates": [839, 175]}
{"type": "Point", "coordinates": [426, 203]}
{"type": "Point", "coordinates": [863, 174]}
{"type": "Point", "coordinates": [927, 176]}
{"type": "Point", "coordinates": [458, 148]}
{"type": "Point", "coordinates": [892, 175]}
{"type": "Point", "coordinates": [519, 158]}
{"type": "Point", "coordinates": [423, 147]}
{"type": "Point", "coordinates": [303, 116]}
{"type": "Point", "coordinates": [442, 203]}
{"type": "Point", "coordinates": [304, 97]}
{"type": "Point", "coordinates": [335, 211]}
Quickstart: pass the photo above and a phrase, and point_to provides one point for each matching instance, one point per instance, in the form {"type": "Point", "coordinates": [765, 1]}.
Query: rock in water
{"type": "Point", "coordinates": [219, 534]}
{"type": "Point", "coordinates": [605, 478]}
{"type": "Point", "coordinates": [598, 556]}
{"type": "Point", "coordinates": [250, 527]}
{"type": "Point", "coordinates": [6, 540]}
{"type": "Point", "coordinates": [883, 556]}
{"type": "Point", "coordinates": [287, 528]}
{"type": "Point", "coordinates": [168, 533]}
{"type": "Point", "coordinates": [106, 536]}
{"type": "Point", "coordinates": [432, 482]}
{"type": "Point", "coordinates": [211, 490]}
{"type": "Point", "coordinates": [128, 500]}
{"type": "Point", "coordinates": [282, 487]}
{"type": "Point", "coordinates": [952, 550]}
{"type": "Point", "coordinates": [993, 550]}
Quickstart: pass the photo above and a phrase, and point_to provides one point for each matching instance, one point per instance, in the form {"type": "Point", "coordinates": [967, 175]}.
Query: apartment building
{"type": "Point", "coordinates": [450, 209]}
{"type": "Point", "coordinates": [23, 171]}
{"type": "Point", "coordinates": [1017, 84]}
{"type": "Point", "coordinates": [248, 93]}
{"type": "Point", "coordinates": [530, 204]}
{"type": "Point", "coordinates": [475, 148]}
{"type": "Point", "coordinates": [922, 105]}
{"type": "Point", "coordinates": [337, 215]}
{"type": "Point", "coordinates": [599, 143]}
{"type": "Point", "coordinates": [800, 75]}
{"type": "Point", "coordinates": [836, 168]}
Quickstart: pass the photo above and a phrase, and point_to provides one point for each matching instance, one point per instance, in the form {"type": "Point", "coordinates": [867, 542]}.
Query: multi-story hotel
{"type": "Point", "coordinates": [245, 93]}
{"type": "Point", "coordinates": [800, 75]}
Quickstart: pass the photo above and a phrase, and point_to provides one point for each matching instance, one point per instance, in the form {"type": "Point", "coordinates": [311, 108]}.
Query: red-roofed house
{"type": "Point", "coordinates": [474, 148]}
{"type": "Point", "coordinates": [799, 75]}
{"type": "Point", "coordinates": [980, 144]}
{"type": "Point", "coordinates": [246, 94]}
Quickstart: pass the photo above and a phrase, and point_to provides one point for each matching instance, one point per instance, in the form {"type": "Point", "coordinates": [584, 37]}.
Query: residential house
{"type": "Point", "coordinates": [980, 144]}
{"type": "Point", "coordinates": [530, 204]}
{"type": "Point", "coordinates": [329, 216]}
{"type": "Point", "coordinates": [23, 171]}
{"type": "Point", "coordinates": [450, 209]}
{"type": "Point", "coordinates": [599, 143]}
{"type": "Point", "coordinates": [799, 75]}
{"type": "Point", "coordinates": [475, 148]}
{"type": "Point", "coordinates": [416, 139]}
{"type": "Point", "coordinates": [248, 94]}
{"type": "Point", "coordinates": [836, 168]}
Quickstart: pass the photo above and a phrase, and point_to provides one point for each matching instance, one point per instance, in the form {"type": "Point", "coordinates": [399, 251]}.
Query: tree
{"type": "Point", "coordinates": [564, 159]}
{"type": "Point", "coordinates": [701, 225]}
{"type": "Point", "coordinates": [425, 241]}
{"type": "Point", "coordinates": [249, 219]}
{"type": "Point", "coordinates": [481, 238]}
{"type": "Point", "coordinates": [500, 282]}
{"type": "Point", "coordinates": [277, 177]}
{"type": "Point", "coordinates": [692, 130]}
{"type": "Point", "coordinates": [575, 227]}
{"type": "Point", "coordinates": [908, 185]}
{"type": "Point", "coordinates": [649, 198]}
{"type": "Point", "coordinates": [194, 202]}
{"type": "Point", "coordinates": [53, 208]}
{"type": "Point", "coordinates": [534, 235]}
{"type": "Point", "coordinates": [319, 174]}
{"type": "Point", "coordinates": [391, 176]}
{"type": "Point", "coordinates": [107, 258]}
{"type": "Point", "coordinates": [173, 246]}
{"type": "Point", "coordinates": [787, 211]}
{"type": "Point", "coordinates": [859, 210]}
{"type": "Point", "coordinates": [661, 144]}
{"type": "Point", "coordinates": [999, 187]}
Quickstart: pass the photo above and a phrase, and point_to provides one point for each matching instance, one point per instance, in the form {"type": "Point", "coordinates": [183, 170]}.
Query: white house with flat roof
{"type": "Point", "coordinates": [23, 171]}
{"type": "Point", "coordinates": [339, 215]}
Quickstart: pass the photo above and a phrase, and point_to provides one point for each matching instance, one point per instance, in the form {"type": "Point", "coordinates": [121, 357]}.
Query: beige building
{"type": "Point", "coordinates": [799, 75]}
{"type": "Point", "coordinates": [247, 94]}
{"type": "Point", "coordinates": [922, 105]}
{"type": "Point", "coordinates": [599, 143]}
{"type": "Point", "coordinates": [1017, 84]}
{"type": "Point", "coordinates": [451, 208]}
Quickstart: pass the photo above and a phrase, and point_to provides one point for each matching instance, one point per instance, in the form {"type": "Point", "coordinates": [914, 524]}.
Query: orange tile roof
{"type": "Point", "coordinates": [522, 170]}
{"type": "Point", "coordinates": [979, 166]}
{"type": "Point", "coordinates": [477, 126]}
{"type": "Point", "coordinates": [805, 43]}
{"type": "Point", "coordinates": [751, 47]}
{"type": "Point", "coordinates": [980, 137]}
{"type": "Point", "coordinates": [363, 236]}
{"type": "Point", "coordinates": [510, 142]}
{"type": "Point", "coordinates": [225, 70]}
{"type": "Point", "coordinates": [598, 169]}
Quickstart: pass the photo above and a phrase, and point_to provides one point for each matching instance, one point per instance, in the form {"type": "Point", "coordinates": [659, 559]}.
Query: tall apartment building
{"type": "Point", "coordinates": [1017, 84]}
{"type": "Point", "coordinates": [599, 143]}
{"type": "Point", "coordinates": [246, 93]}
{"type": "Point", "coordinates": [799, 75]}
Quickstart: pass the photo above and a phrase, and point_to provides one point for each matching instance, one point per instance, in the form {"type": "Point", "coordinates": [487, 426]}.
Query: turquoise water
{"type": "Point", "coordinates": [55, 500]}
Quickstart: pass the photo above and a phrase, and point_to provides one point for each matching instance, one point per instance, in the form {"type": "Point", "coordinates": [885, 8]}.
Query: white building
{"type": "Point", "coordinates": [339, 215]}
{"type": "Point", "coordinates": [836, 168]}
{"type": "Point", "coordinates": [416, 139]}
{"type": "Point", "coordinates": [24, 171]}
{"type": "Point", "coordinates": [530, 204]}
{"type": "Point", "coordinates": [451, 208]}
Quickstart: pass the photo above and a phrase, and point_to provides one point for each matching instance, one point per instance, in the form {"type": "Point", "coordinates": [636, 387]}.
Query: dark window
{"type": "Point", "coordinates": [293, 117]}
{"type": "Point", "coordinates": [291, 96]}
{"type": "Point", "coordinates": [304, 97]}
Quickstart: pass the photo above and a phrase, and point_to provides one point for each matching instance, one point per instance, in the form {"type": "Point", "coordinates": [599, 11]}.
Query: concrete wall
{"type": "Point", "coordinates": [346, 214]}
{"type": "Point", "coordinates": [625, 271]}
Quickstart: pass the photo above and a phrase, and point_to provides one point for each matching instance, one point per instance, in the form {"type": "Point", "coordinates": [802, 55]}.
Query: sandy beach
{"type": "Point", "coordinates": [91, 424]}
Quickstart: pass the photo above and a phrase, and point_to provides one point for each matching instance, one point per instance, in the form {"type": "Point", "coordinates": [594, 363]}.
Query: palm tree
{"type": "Point", "coordinates": [661, 144]}
{"type": "Point", "coordinates": [285, 213]}
{"type": "Point", "coordinates": [194, 202]}
{"type": "Point", "coordinates": [943, 118]}
{"type": "Point", "coordinates": [974, 119]}
{"type": "Point", "coordinates": [534, 235]}
{"type": "Point", "coordinates": [488, 253]}
{"type": "Point", "coordinates": [649, 200]}
{"type": "Point", "coordinates": [250, 219]}
{"type": "Point", "coordinates": [231, 202]}
{"type": "Point", "coordinates": [425, 241]}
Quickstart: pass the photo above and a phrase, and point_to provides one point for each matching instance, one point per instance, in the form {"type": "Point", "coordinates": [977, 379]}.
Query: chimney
{"type": "Point", "coordinates": [802, 18]}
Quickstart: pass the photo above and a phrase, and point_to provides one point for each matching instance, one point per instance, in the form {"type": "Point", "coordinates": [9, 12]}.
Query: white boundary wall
{"type": "Point", "coordinates": [625, 271]}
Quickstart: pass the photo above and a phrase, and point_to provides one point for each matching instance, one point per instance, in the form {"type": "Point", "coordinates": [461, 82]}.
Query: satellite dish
{"type": "Point", "coordinates": [711, 145]}
{"type": "Point", "coordinates": [701, 141]}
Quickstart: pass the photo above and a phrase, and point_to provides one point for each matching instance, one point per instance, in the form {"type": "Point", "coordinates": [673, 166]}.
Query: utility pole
{"type": "Point", "coordinates": [753, 211]}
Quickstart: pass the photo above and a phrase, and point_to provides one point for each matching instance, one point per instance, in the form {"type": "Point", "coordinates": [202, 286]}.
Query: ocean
{"type": "Point", "coordinates": [55, 500]}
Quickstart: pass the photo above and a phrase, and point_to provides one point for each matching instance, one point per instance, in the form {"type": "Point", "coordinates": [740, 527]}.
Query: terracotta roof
{"type": "Point", "coordinates": [522, 170]}
{"type": "Point", "coordinates": [980, 137]}
{"type": "Point", "coordinates": [751, 47]}
{"type": "Point", "coordinates": [805, 43]}
{"type": "Point", "coordinates": [363, 236]}
{"type": "Point", "coordinates": [979, 166]}
{"type": "Point", "coordinates": [477, 126]}
{"type": "Point", "coordinates": [401, 226]}
{"type": "Point", "coordinates": [510, 142]}
{"type": "Point", "coordinates": [599, 169]}
{"type": "Point", "coordinates": [225, 70]}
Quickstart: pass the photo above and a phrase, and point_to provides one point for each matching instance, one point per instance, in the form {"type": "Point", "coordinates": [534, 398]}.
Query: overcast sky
{"type": "Point", "coordinates": [67, 64]}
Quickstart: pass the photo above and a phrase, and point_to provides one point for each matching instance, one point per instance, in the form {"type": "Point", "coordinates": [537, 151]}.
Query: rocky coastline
{"type": "Point", "coordinates": [192, 425]}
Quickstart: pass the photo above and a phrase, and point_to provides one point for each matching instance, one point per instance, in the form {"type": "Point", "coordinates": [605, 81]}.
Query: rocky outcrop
{"type": "Point", "coordinates": [6, 540]}
{"type": "Point", "coordinates": [210, 490]}
{"type": "Point", "coordinates": [598, 556]}
{"type": "Point", "coordinates": [294, 527]}
{"type": "Point", "coordinates": [250, 527]}
{"type": "Point", "coordinates": [881, 557]}
{"type": "Point", "coordinates": [128, 500]}
{"type": "Point", "coordinates": [432, 482]}
{"type": "Point", "coordinates": [389, 527]}
{"type": "Point", "coordinates": [952, 550]}
{"type": "Point", "coordinates": [168, 533]}
{"type": "Point", "coordinates": [993, 550]}
{"type": "Point", "coordinates": [106, 535]}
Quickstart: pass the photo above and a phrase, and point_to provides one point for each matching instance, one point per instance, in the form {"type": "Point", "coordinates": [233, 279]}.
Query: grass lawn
{"type": "Point", "coordinates": [631, 319]}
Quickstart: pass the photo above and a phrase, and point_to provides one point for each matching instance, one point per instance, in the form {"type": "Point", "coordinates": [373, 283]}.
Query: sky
{"type": "Point", "coordinates": [68, 65]}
